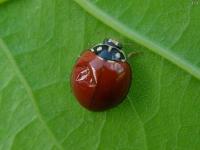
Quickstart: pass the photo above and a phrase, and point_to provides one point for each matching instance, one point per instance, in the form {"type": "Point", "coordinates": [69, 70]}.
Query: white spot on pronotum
{"type": "Point", "coordinates": [99, 48]}
{"type": "Point", "coordinates": [109, 48]}
{"type": "Point", "coordinates": [117, 55]}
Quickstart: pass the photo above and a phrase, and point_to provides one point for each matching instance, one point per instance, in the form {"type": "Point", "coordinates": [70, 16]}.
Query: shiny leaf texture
{"type": "Point", "coordinates": [40, 41]}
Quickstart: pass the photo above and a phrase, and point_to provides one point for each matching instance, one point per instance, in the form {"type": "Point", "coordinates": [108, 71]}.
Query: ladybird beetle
{"type": "Point", "coordinates": [101, 76]}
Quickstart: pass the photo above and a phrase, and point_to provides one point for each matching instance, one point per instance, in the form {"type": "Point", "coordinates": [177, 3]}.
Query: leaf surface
{"type": "Point", "coordinates": [40, 41]}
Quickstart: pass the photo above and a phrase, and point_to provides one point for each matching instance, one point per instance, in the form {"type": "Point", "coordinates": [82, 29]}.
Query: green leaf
{"type": "Point", "coordinates": [40, 41]}
{"type": "Point", "coordinates": [1, 1]}
{"type": "Point", "coordinates": [155, 25]}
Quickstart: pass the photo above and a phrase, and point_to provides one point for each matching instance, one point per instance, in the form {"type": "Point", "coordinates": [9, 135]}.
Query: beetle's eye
{"type": "Point", "coordinates": [113, 43]}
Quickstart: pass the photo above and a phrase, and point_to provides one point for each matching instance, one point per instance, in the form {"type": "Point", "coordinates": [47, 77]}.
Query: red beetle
{"type": "Point", "coordinates": [101, 76]}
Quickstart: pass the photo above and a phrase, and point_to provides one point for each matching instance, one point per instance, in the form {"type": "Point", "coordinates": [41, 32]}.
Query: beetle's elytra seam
{"type": "Point", "coordinates": [95, 90]}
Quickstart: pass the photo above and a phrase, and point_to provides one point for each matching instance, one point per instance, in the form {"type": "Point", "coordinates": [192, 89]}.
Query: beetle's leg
{"type": "Point", "coordinates": [133, 54]}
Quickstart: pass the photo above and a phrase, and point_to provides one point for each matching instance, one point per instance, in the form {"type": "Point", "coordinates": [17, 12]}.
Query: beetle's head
{"type": "Point", "coordinates": [110, 50]}
{"type": "Point", "coordinates": [113, 43]}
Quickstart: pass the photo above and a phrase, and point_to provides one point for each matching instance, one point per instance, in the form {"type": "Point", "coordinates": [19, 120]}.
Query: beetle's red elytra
{"type": "Point", "coordinates": [101, 76]}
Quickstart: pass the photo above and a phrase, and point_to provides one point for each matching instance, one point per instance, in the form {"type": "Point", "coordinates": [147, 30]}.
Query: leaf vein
{"type": "Point", "coordinates": [142, 123]}
{"type": "Point", "coordinates": [28, 90]}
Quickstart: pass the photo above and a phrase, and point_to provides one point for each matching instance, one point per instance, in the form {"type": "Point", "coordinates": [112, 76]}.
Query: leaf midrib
{"type": "Point", "coordinates": [137, 37]}
{"type": "Point", "coordinates": [29, 91]}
